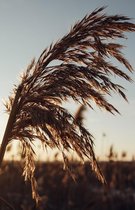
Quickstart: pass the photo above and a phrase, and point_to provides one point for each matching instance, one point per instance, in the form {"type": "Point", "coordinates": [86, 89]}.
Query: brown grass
{"type": "Point", "coordinates": [83, 74]}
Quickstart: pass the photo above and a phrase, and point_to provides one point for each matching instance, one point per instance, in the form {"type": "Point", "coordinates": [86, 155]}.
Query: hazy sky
{"type": "Point", "coordinates": [28, 26]}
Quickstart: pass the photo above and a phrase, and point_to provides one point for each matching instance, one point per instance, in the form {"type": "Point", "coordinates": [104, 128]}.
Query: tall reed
{"type": "Point", "coordinates": [84, 74]}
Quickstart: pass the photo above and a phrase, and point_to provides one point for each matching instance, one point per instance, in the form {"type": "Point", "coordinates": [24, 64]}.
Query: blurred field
{"type": "Point", "coordinates": [59, 192]}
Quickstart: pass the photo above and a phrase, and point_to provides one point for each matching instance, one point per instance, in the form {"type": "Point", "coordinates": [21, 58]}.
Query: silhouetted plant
{"type": "Point", "coordinates": [112, 154]}
{"type": "Point", "coordinates": [78, 117]}
{"type": "Point", "coordinates": [83, 74]}
{"type": "Point", "coordinates": [123, 155]}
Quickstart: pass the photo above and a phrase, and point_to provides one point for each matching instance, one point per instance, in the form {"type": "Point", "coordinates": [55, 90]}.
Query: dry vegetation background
{"type": "Point", "coordinates": [59, 192]}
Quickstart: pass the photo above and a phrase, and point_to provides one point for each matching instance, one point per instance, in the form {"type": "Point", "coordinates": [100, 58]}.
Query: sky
{"type": "Point", "coordinates": [27, 27]}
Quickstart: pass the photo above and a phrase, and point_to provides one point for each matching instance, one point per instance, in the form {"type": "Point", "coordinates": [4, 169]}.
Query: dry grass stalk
{"type": "Point", "coordinates": [83, 74]}
{"type": "Point", "coordinates": [79, 114]}
{"type": "Point", "coordinates": [6, 203]}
